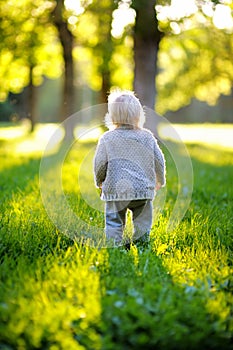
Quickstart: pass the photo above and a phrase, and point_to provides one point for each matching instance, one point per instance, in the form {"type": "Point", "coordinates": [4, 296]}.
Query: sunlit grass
{"type": "Point", "coordinates": [37, 141]}
{"type": "Point", "coordinates": [84, 134]}
{"type": "Point", "coordinates": [9, 132]}
{"type": "Point", "coordinates": [215, 135]}
{"type": "Point", "coordinates": [25, 143]}
{"type": "Point", "coordinates": [57, 294]}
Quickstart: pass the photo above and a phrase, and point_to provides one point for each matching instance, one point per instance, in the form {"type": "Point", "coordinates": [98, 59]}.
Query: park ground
{"type": "Point", "coordinates": [58, 294]}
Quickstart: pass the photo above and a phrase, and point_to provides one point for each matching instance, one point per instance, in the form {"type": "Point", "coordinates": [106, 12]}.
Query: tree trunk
{"type": "Point", "coordinates": [66, 39]}
{"type": "Point", "coordinates": [146, 45]}
{"type": "Point", "coordinates": [31, 100]}
{"type": "Point", "coordinates": [105, 46]}
{"type": "Point", "coordinates": [106, 85]}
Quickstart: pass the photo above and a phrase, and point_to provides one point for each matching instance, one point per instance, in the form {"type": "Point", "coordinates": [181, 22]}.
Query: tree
{"type": "Point", "coordinates": [33, 45]}
{"type": "Point", "coordinates": [29, 47]}
{"type": "Point", "coordinates": [147, 36]}
{"type": "Point", "coordinates": [104, 47]}
{"type": "Point", "coordinates": [196, 57]}
{"type": "Point", "coordinates": [150, 28]}
{"type": "Point", "coordinates": [96, 44]}
{"type": "Point", "coordinates": [194, 68]}
{"type": "Point", "coordinates": [66, 39]}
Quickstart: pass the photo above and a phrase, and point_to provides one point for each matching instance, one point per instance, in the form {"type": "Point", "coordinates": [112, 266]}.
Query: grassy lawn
{"type": "Point", "coordinates": [57, 294]}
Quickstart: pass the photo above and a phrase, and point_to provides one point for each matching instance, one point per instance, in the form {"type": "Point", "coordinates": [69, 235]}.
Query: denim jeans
{"type": "Point", "coordinates": [115, 218]}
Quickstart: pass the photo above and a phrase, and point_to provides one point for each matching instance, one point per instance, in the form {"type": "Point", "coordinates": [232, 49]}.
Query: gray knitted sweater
{"type": "Point", "coordinates": [127, 164]}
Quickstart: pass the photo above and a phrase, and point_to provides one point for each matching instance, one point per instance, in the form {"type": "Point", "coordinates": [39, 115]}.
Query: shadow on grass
{"type": "Point", "coordinates": [143, 308]}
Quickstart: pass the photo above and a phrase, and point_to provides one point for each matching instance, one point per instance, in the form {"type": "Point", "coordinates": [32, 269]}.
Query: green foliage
{"type": "Point", "coordinates": [195, 58]}
{"type": "Point", "coordinates": [191, 67]}
{"type": "Point", "coordinates": [57, 294]}
{"type": "Point", "coordinates": [102, 59]}
{"type": "Point", "coordinates": [28, 40]}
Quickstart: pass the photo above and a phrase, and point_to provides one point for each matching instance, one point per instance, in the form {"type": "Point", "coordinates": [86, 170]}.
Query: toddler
{"type": "Point", "coordinates": [129, 168]}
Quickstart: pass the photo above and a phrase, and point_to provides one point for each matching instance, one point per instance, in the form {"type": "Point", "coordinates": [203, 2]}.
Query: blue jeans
{"type": "Point", "coordinates": [115, 218]}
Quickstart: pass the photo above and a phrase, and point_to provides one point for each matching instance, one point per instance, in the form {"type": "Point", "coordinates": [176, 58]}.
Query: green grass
{"type": "Point", "coordinates": [57, 294]}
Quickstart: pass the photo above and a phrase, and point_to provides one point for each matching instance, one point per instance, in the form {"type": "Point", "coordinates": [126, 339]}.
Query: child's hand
{"type": "Point", "coordinates": [158, 186]}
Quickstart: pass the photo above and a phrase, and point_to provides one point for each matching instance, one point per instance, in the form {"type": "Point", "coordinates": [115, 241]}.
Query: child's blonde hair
{"type": "Point", "coordinates": [124, 108]}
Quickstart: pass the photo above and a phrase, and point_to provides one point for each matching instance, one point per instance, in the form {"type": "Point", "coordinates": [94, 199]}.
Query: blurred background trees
{"type": "Point", "coordinates": [29, 50]}
{"type": "Point", "coordinates": [58, 57]}
{"type": "Point", "coordinates": [196, 59]}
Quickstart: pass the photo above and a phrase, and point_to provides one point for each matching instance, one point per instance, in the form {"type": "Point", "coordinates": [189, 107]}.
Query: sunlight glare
{"type": "Point", "coordinates": [176, 10]}
{"type": "Point", "coordinates": [39, 139]}
{"type": "Point", "coordinates": [122, 17]}
{"type": "Point", "coordinates": [87, 134]}
{"type": "Point", "coordinates": [208, 9]}
{"type": "Point", "coordinates": [74, 6]}
{"type": "Point", "coordinates": [222, 18]}
{"type": "Point", "coordinates": [221, 15]}
{"type": "Point", "coordinates": [72, 20]}
{"type": "Point", "coordinates": [206, 134]}
{"type": "Point", "coordinates": [11, 133]}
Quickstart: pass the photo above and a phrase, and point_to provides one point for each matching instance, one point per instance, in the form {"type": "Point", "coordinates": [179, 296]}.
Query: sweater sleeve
{"type": "Point", "coordinates": [160, 167]}
{"type": "Point", "coordinates": [100, 163]}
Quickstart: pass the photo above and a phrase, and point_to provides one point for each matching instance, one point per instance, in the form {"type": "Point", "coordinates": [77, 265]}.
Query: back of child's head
{"type": "Point", "coordinates": [124, 108]}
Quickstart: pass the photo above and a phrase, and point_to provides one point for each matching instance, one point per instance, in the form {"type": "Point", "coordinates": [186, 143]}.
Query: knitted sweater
{"type": "Point", "coordinates": [127, 164]}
